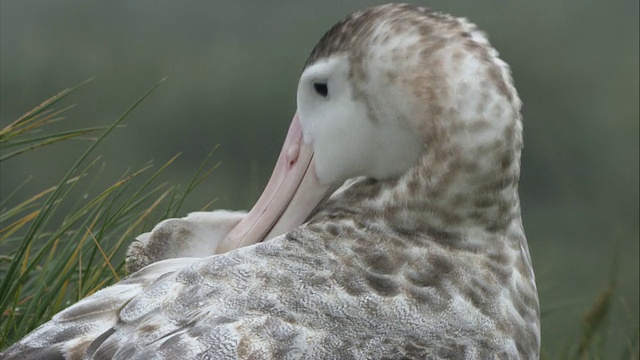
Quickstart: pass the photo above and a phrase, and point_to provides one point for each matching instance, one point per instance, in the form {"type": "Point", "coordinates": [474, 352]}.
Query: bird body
{"type": "Point", "coordinates": [399, 234]}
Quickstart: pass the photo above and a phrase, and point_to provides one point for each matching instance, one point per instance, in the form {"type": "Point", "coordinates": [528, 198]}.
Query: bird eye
{"type": "Point", "coordinates": [321, 89]}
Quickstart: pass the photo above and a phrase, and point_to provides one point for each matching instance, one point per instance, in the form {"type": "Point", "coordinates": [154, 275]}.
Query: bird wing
{"type": "Point", "coordinates": [182, 308]}
{"type": "Point", "coordinates": [68, 334]}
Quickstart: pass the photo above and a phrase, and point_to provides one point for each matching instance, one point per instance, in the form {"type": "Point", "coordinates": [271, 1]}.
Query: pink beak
{"type": "Point", "coordinates": [292, 193]}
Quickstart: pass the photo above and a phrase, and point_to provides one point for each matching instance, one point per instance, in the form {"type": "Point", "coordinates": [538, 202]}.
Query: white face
{"type": "Point", "coordinates": [345, 141]}
{"type": "Point", "coordinates": [331, 139]}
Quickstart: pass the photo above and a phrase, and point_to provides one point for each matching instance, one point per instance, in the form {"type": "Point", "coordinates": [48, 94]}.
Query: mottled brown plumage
{"type": "Point", "coordinates": [428, 260]}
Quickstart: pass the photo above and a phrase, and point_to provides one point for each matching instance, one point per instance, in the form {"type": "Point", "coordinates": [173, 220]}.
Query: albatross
{"type": "Point", "coordinates": [390, 228]}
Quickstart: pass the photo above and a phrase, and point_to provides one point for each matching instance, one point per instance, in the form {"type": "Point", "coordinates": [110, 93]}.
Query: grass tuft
{"type": "Point", "coordinates": [48, 264]}
{"type": "Point", "coordinates": [594, 320]}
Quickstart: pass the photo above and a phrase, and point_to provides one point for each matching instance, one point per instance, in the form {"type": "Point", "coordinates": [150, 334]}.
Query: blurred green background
{"type": "Point", "coordinates": [232, 70]}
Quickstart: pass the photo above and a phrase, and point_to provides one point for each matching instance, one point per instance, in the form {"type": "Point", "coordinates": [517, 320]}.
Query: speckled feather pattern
{"type": "Point", "coordinates": [431, 265]}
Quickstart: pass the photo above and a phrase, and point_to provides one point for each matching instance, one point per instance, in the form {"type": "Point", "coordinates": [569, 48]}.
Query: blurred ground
{"type": "Point", "coordinates": [233, 68]}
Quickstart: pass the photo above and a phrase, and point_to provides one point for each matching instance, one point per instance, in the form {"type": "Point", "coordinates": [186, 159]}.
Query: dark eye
{"type": "Point", "coordinates": [321, 89]}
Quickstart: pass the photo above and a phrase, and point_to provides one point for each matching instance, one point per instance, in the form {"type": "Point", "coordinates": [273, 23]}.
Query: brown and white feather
{"type": "Point", "coordinates": [431, 264]}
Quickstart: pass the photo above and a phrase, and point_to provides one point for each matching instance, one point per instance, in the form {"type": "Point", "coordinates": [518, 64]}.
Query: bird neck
{"type": "Point", "coordinates": [451, 187]}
